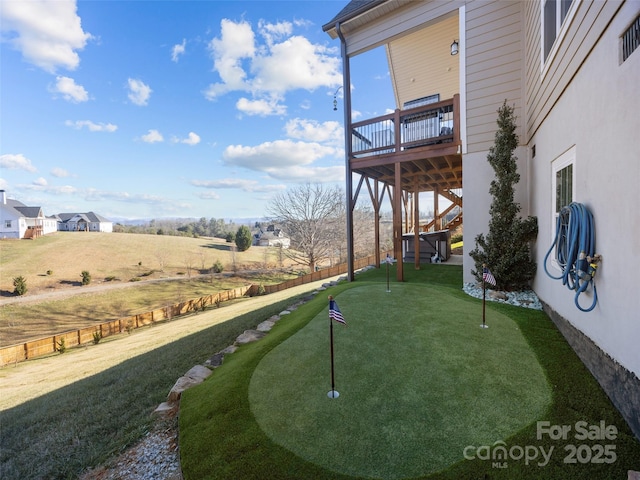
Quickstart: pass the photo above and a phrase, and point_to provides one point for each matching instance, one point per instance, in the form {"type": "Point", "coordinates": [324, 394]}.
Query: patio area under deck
{"type": "Point", "coordinates": [417, 150]}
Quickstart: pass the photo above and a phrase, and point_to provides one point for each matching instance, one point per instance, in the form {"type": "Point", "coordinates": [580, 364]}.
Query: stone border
{"type": "Point", "coordinates": [199, 373]}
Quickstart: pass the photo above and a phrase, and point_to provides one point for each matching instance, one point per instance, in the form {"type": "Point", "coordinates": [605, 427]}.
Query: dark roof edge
{"type": "Point", "coordinates": [348, 13]}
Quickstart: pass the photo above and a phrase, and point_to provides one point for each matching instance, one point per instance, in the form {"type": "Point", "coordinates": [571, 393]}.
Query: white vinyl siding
{"type": "Point", "coordinates": [544, 87]}
{"type": "Point", "coordinates": [493, 54]}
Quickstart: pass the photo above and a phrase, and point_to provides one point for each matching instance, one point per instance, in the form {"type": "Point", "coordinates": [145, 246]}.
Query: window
{"type": "Point", "coordinates": [631, 39]}
{"type": "Point", "coordinates": [562, 184]}
{"type": "Point", "coordinates": [564, 187]}
{"type": "Point", "coordinates": [7, 224]}
{"type": "Point", "coordinates": [563, 175]}
{"type": "Point", "coordinates": [554, 14]}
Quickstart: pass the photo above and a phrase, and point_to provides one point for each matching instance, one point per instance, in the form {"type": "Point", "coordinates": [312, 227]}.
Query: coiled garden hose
{"type": "Point", "coordinates": [575, 245]}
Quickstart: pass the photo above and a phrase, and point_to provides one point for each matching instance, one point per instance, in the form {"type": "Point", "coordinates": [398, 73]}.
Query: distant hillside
{"type": "Point", "coordinates": [119, 255]}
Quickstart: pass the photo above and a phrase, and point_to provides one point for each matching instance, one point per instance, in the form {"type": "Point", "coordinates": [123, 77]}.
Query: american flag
{"type": "Point", "coordinates": [488, 277]}
{"type": "Point", "coordinates": [335, 313]}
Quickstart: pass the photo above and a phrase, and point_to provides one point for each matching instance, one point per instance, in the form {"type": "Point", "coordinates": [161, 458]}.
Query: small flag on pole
{"type": "Point", "coordinates": [335, 313]}
{"type": "Point", "coordinates": [488, 277]}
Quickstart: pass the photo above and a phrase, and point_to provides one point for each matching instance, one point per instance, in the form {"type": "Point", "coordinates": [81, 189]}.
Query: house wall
{"type": "Point", "coordinates": [17, 229]}
{"type": "Point", "coordinates": [106, 227]}
{"type": "Point", "coordinates": [49, 225]}
{"type": "Point", "coordinates": [546, 83]}
{"type": "Point", "coordinates": [596, 118]}
{"type": "Point", "coordinates": [597, 115]}
{"type": "Point", "coordinates": [493, 56]}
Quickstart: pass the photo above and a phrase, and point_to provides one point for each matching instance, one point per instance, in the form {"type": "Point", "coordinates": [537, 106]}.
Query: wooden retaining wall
{"type": "Point", "coordinates": [49, 345]}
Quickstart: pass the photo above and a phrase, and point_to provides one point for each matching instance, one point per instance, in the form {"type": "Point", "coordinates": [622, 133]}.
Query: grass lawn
{"type": "Point", "coordinates": [21, 322]}
{"type": "Point", "coordinates": [62, 414]}
{"type": "Point", "coordinates": [424, 393]}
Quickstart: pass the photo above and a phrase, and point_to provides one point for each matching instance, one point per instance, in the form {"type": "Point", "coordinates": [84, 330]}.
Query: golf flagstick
{"type": "Point", "coordinates": [487, 276]}
{"type": "Point", "coordinates": [332, 393]}
{"type": "Point", "coordinates": [484, 299]}
{"type": "Point", "coordinates": [388, 261]}
{"type": "Point", "coordinates": [334, 314]}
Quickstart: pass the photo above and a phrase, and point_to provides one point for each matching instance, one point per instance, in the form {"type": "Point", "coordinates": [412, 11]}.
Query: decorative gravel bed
{"type": "Point", "coordinates": [526, 298]}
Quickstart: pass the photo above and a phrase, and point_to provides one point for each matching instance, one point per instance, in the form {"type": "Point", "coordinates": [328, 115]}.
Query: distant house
{"type": "Point", "coordinates": [18, 220]}
{"type": "Point", "coordinates": [271, 237]}
{"type": "Point", "coordinates": [84, 222]}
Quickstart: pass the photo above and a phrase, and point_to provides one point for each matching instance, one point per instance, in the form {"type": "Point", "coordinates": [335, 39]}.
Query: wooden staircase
{"type": "Point", "coordinates": [436, 223]}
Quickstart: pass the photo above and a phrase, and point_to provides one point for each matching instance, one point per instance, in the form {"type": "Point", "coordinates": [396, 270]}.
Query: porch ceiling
{"type": "Point", "coordinates": [422, 169]}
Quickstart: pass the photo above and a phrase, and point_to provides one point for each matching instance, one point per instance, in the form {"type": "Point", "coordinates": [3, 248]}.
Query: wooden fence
{"type": "Point", "coordinates": [49, 345]}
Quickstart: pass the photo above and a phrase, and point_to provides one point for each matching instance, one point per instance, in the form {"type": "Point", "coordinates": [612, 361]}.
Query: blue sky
{"type": "Point", "coordinates": [144, 109]}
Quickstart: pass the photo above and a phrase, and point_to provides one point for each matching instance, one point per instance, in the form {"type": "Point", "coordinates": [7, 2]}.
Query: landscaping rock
{"type": "Point", "coordinates": [284, 312]}
{"type": "Point", "coordinates": [249, 336]}
{"type": "Point", "coordinates": [228, 350]}
{"type": "Point", "coordinates": [498, 295]}
{"type": "Point", "coordinates": [265, 326]}
{"type": "Point", "coordinates": [193, 377]}
{"type": "Point", "coordinates": [215, 361]}
{"type": "Point", "coordinates": [166, 409]}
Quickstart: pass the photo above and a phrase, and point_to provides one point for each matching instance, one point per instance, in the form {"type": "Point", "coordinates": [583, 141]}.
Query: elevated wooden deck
{"type": "Point", "coordinates": [424, 140]}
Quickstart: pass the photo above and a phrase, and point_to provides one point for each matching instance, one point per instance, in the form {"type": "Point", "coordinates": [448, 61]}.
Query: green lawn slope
{"type": "Point", "coordinates": [424, 393]}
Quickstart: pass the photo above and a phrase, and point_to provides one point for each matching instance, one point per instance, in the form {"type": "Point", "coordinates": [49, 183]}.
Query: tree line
{"type": "Point", "coordinates": [313, 217]}
{"type": "Point", "coordinates": [213, 227]}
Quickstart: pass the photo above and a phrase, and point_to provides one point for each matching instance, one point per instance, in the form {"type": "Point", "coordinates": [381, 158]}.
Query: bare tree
{"type": "Point", "coordinates": [311, 216]}
{"type": "Point", "coordinates": [188, 263]}
{"type": "Point", "coordinates": [161, 256]}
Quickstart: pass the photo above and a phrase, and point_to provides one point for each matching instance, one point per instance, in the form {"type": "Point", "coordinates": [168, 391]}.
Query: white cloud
{"type": "Point", "coordinates": [47, 33]}
{"type": "Point", "coordinates": [302, 174]}
{"type": "Point", "coordinates": [178, 50]}
{"type": "Point", "coordinates": [309, 66]}
{"type": "Point", "coordinates": [70, 90]}
{"type": "Point", "coordinates": [51, 189]}
{"type": "Point", "coordinates": [4, 185]}
{"type": "Point", "coordinates": [192, 139]}
{"type": "Point", "coordinates": [261, 107]}
{"type": "Point", "coordinates": [274, 31]}
{"type": "Point", "coordinates": [311, 131]}
{"type": "Point", "coordinates": [283, 62]}
{"type": "Point", "coordinates": [209, 196]}
{"type": "Point", "coordinates": [238, 183]}
{"type": "Point", "coordinates": [91, 126]}
{"type": "Point", "coordinates": [16, 162]}
{"type": "Point", "coordinates": [153, 136]}
{"type": "Point", "coordinates": [271, 156]}
{"type": "Point", "coordinates": [236, 42]}
{"type": "Point", "coordinates": [139, 92]}
{"type": "Point", "coordinates": [40, 181]}
{"type": "Point", "coordinates": [59, 172]}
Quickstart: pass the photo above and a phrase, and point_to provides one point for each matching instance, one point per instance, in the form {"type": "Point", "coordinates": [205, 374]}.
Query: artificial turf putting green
{"type": "Point", "coordinates": [419, 380]}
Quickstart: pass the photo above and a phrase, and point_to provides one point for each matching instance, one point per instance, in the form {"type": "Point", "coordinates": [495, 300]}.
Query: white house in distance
{"type": "Point", "coordinates": [84, 222]}
{"type": "Point", "coordinates": [571, 69]}
{"type": "Point", "coordinates": [18, 220]}
{"type": "Point", "coordinates": [271, 237]}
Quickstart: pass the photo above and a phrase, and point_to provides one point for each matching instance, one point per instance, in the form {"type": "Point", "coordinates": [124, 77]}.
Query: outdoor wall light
{"type": "Point", "coordinates": [335, 99]}
{"type": "Point", "coordinates": [454, 48]}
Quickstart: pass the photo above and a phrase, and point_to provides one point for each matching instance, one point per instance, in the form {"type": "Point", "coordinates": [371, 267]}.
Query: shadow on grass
{"type": "Point", "coordinates": [60, 434]}
{"type": "Point", "coordinates": [220, 438]}
{"type": "Point", "coordinates": [215, 246]}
